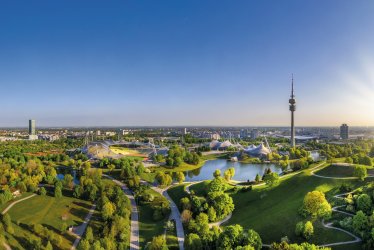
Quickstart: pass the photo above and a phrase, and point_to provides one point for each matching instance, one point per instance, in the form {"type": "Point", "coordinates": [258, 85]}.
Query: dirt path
{"type": "Point", "coordinates": [14, 203]}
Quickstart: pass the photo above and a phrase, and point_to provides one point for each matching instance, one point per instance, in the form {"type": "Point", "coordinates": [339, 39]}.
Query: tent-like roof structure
{"type": "Point", "coordinates": [261, 150]}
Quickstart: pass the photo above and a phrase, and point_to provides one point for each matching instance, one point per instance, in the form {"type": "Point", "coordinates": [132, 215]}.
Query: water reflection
{"type": "Point", "coordinates": [243, 171]}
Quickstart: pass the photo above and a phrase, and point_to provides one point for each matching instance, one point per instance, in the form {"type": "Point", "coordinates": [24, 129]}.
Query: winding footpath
{"type": "Point", "coordinates": [14, 203]}
{"type": "Point", "coordinates": [6, 246]}
{"type": "Point", "coordinates": [174, 215]}
{"type": "Point", "coordinates": [79, 230]}
{"type": "Point", "coordinates": [134, 234]}
{"type": "Point", "coordinates": [336, 209]}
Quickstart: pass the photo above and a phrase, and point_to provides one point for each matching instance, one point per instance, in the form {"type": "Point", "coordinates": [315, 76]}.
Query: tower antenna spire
{"type": "Point", "coordinates": [292, 91]}
{"type": "Point", "coordinates": [292, 102]}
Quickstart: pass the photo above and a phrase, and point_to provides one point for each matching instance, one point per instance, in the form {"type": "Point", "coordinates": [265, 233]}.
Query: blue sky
{"type": "Point", "coordinates": [94, 63]}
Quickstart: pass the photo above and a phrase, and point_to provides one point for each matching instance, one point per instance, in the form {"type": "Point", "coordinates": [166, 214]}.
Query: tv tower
{"type": "Point", "coordinates": [292, 102]}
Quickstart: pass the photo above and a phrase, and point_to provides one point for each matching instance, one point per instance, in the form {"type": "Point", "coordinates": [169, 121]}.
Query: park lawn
{"type": "Point", "coordinates": [148, 177]}
{"type": "Point", "coordinates": [148, 227]}
{"type": "Point", "coordinates": [176, 193]}
{"type": "Point", "coordinates": [273, 212]}
{"type": "Point", "coordinates": [51, 213]}
{"type": "Point", "coordinates": [23, 195]}
{"type": "Point", "coordinates": [215, 156]}
{"type": "Point", "coordinates": [182, 168]}
{"type": "Point", "coordinates": [341, 171]}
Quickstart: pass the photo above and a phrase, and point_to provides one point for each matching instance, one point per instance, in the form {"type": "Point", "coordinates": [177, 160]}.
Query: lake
{"type": "Point", "coordinates": [243, 171]}
{"type": "Point", "coordinates": [62, 171]}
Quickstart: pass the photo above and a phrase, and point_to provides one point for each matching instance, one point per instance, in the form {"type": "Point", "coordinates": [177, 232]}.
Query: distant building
{"type": "Point", "coordinates": [254, 134]}
{"type": "Point", "coordinates": [185, 131]}
{"type": "Point", "coordinates": [98, 132]}
{"type": "Point", "coordinates": [344, 131]}
{"type": "Point", "coordinates": [32, 130]}
{"type": "Point", "coordinates": [243, 133]}
{"type": "Point", "coordinates": [31, 127]}
{"type": "Point", "coordinates": [215, 136]}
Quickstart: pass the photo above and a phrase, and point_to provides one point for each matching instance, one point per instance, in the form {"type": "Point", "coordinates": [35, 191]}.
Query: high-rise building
{"type": "Point", "coordinates": [344, 131]}
{"type": "Point", "coordinates": [31, 127]}
{"type": "Point", "coordinates": [292, 102]}
{"type": "Point", "coordinates": [32, 132]}
{"type": "Point", "coordinates": [254, 134]}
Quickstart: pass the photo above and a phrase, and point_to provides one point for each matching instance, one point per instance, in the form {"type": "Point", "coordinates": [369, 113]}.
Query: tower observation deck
{"type": "Point", "coordinates": [292, 102]}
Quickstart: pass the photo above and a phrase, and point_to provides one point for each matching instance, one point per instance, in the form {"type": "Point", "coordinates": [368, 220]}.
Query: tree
{"type": "Point", "coordinates": [230, 237]}
{"type": "Point", "coordinates": [58, 192]}
{"type": "Point", "coordinates": [217, 185]}
{"type": "Point", "coordinates": [360, 172]}
{"type": "Point", "coordinates": [48, 246]}
{"type": "Point", "coordinates": [193, 242]}
{"type": "Point", "coordinates": [217, 173]}
{"type": "Point", "coordinates": [308, 230]}
{"type": "Point", "coordinates": [229, 173]}
{"type": "Point", "coordinates": [222, 203]}
{"type": "Point", "coordinates": [212, 214]}
{"type": "Point", "coordinates": [316, 205]}
{"type": "Point", "coordinates": [253, 239]}
{"type": "Point", "coordinates": [111, 167]}
{"type": "Point", "coordinates": [108, 210]}
{"type": "Point", "coordinates": [360, 222]}
{"type": "Point", "coordinates": [89, 235]}
{"type": "Point", "coordinates": [84, 245]}
{"type": "Point", "coordinates": [77, 191]}
{"type": "Point", "coordinates": [364, 203]}
{"type": "Point", "coordinates": [186, 216]}
{"type": "Point", "coordinates": [271, 179]}
{"type": "Point", "coordinates": [258, 178]}
{"type": "Point", "coordinates": [185, 203]}
{"type": "Point", "coordinates": [42, 191]}
{"type": "Point", "coordinates": [180, 177]}
{"type": "Point", "coordinates": [299, 229]}
{"type": "Point", "coordinates": [68, 181]}
{"type": "Point", "coordinates": [158, 243]}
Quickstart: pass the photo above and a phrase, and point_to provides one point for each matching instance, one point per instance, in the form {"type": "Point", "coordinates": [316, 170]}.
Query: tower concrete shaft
{"type": "Point", "coordinates": [292, 102]}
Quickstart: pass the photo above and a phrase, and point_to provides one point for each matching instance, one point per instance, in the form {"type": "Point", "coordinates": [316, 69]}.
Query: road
{"type": "Point", "coordinates": [134, 234]}
{"type": "Point", "coordinates": [79, 230]}
{"type": "Point", "coordinates": [14, 203]}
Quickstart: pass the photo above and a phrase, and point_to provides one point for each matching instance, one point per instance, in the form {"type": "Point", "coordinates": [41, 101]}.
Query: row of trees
{"type": "Point", "coordinates": [115, 210]}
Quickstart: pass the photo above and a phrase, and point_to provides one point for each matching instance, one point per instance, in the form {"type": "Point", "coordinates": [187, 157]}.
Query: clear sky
{"type": "Point", "coordinates": [195, 62]}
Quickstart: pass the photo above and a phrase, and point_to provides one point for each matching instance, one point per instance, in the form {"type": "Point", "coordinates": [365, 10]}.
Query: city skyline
{"type": "Point", "coordinates": [186, 64]}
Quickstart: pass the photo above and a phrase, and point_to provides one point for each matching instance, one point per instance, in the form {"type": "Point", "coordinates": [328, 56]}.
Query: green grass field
{"type": "Point", "coordinates": [340, 171]}
{"type": "Point", "coordinates": [49, 212]}
{"type": "Point", "coordinates": [177, 193]}
{"type": "Point", "coordinates": [273, 212]}
{"type": "Point", "coordinates": [148, 227]}
{"type": "Point", "coordinates": [23, 195]}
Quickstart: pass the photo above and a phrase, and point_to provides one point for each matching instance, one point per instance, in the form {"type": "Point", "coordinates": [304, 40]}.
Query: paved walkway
{"type": "Point", "coordinates": [174, 215]}
{"type": "Point", "coordinates": [14, 203]}
{"type": "Point", "coordinates": [6, 246]}
{"type": "Point", "coordinates": [335, 209]}
{"type": "Point", "coordinates": [134, 236]}
{"type": "Point", "coordinates": [79, 230]}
